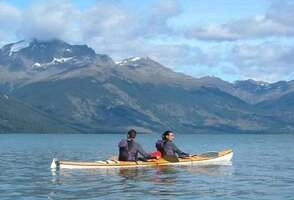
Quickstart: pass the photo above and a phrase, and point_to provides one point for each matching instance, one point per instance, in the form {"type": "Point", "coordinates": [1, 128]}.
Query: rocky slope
{"type": "Point", "coordinates": [91, 93]}
{"type": "Point", "coordinates": [16, 117]}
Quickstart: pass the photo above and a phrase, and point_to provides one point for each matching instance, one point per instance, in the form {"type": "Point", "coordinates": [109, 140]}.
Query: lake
{"type": "Point", "coordinates": [262, 168]}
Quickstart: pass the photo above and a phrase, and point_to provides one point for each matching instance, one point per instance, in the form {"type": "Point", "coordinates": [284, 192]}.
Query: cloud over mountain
{"type": "Point", "coordinates": [276, 60]}
{"type": "Point", "coordinates": [153, 29]}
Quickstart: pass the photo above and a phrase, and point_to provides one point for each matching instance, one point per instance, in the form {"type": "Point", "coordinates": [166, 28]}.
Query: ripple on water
{"type": "Point", "coordinates": [266, 174]}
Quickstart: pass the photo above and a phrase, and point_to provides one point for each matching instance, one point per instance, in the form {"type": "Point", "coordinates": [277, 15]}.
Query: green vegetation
{"type": "Point", "coordinates": [16, 117]}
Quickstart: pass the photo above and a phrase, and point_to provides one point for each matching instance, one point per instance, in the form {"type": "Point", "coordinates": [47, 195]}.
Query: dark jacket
{"type": "Point", "coordinates": [168, 148]}
{"type": "Point", "coordinates": [129, 150]}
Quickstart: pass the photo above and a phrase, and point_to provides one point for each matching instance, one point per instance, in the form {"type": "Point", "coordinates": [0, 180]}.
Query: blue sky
{"type": "Point", "coordinates": [230, 39]}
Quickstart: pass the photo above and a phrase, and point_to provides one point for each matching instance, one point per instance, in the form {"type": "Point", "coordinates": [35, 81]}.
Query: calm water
{"type": "Point", "coordinates": [263, 168]}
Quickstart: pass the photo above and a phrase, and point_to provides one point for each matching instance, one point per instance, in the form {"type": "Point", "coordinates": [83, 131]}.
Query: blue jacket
{"type": "Point", "coordinates": [129, 150]}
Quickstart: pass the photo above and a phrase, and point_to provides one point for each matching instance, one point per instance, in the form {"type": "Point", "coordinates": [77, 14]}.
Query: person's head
{"type": "Point", "coordinates": [132, 134]}
{"type": "Point", "coordinates": [168, 136]}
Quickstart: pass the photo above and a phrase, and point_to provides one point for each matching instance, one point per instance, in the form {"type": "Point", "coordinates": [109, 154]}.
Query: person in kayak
{"type": "Point", "coordinates": [167, 147]}
{"type": "Point", "coordinates": [129, 149]}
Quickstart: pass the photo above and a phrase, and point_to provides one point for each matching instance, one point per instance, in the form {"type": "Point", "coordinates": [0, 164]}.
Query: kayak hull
{"type": "Point", "coordinates": [212, 158]}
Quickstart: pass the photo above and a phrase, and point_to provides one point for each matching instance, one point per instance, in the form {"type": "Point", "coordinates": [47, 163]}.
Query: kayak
{"type": "Point", "coordinates": [209, 158]}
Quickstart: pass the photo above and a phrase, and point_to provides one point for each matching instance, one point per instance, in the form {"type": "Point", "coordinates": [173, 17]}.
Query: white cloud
{"type": "Point", "coordinates": [278, 21]}
{"type": "Point", "coordinates": [106, 21]}
{"type": "Point", "coordinates": [53, 19]}
{"type": "Point", "coordinates": [10, 19]}
{"type": "Point", "coordinates": [181, 55]}
{"type": "Point", "coordinates": [111, 28]}
{"type": "Point", "coordinates": [9, 16]}
{"type": "Point", "coordinates": [212, 32]}
{"type": "Point", "coordinates": [267, 61]}
{"type": "Point", "coordinates": [157, 22]}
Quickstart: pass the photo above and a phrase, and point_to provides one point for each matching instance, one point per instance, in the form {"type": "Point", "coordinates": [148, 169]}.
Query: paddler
{"type": "Point", "coordinates": [167, 147]}
{"type": "Point", "coordinates": [129, 149]}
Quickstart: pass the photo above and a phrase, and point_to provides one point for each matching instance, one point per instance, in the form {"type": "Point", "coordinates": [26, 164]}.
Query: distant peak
{"type": "Point", "coordinates": [55, 42]}
{"type": "Point", "coordinates": [15, 47]}
{"type": "Point", "coordinates": [44, 51]}
{"type": "Point", "coordinates": [137, 61]}
{"type": "Point", "coordinates": [253, 82]}
{"type": "Point", "coordinates": [210, 78]}
{"type": "Point", "coordinates": [133, 59]}
{"type": "Point", "coordinates": [130, 60]}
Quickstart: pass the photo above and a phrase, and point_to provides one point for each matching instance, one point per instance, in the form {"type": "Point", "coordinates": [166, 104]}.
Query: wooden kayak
{"type": "Point", "coordinates": [209, 158]}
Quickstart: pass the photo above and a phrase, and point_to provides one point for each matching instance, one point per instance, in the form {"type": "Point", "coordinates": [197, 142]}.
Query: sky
{"type": "Point", "coordinates": [229, 39]}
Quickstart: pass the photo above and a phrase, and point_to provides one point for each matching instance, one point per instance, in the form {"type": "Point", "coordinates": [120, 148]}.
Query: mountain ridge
{"type": "Point", "coordinates": [95, 93]}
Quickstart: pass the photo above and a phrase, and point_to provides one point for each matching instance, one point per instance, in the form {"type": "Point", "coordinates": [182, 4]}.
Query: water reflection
{"type": "Point", "coordinates": [160, 173]}
{"type": "Point", "coordinates": [165, 175]}
{"type": "Point", "coordinates": [166, 182]}
{"type": "Point", "coordinates": [210, 170]}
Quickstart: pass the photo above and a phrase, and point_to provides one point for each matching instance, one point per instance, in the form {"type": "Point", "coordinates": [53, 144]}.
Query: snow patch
{"type": "Point", "coordinates": [18, 46]}
{"type": "Point", "coordinates": [121, 62]}
{"type": "Point", "coordinates": [37, 64]}
{"type": "Point", "coordinates": [54, 61]}
{"type": "Point", "coordinates": [60, 60]}
{"type": "Point", "coordinates": [261, 83]}
{"type": "Point", "coordinates": [135, 59]}
{"type": "Point", "coordinates": [93, 81]}
{"type": "Point", "coordinates": [131, 59]}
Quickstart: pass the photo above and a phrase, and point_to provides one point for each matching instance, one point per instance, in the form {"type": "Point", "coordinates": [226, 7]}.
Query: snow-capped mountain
{"type": "Point", "coordinates": [24, 53]}
{"type": "Point", "coordinates": [252, 85]}
{"type": "Point", "coordinates": [29, 60]}
{"type": "Point", "coordinates": [135, 61]}
{"type": "Point", "coordinates": [91, 93]}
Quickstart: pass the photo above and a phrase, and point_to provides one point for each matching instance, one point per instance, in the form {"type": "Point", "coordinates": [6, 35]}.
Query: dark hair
{"type": "Point", "coordinates": [166, 133]}
{"type": "Point", "coordinates": [132, 133]}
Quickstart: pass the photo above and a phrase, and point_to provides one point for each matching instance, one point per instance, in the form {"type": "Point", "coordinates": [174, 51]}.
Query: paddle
{"type": "Point", "coordinates": [115, 157]}
{"type": "Point", "coordinates": [211, 154]}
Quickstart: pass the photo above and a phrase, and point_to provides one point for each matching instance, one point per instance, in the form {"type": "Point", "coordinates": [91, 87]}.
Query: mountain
{"type": "Point", "coordinates": [26, 62]}
{"type": "Point", "coordinates": [256, 91]}
{"type": "Point", "coordinates": [282, 107]}
{"type": "Point", "coordinates": [91, 93]}
{"type": "Point", "coordinates": [250, 91]}
{"type": "Point", "coordinates": [16, 117]}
